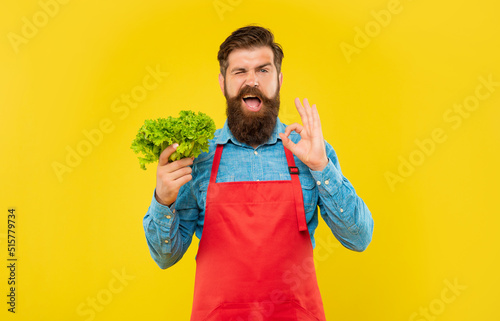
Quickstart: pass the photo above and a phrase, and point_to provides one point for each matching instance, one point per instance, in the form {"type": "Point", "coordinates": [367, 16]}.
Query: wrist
{"type": "Point", "coordinates": [321, 166]}
{"type": "Point", "coordinates": [164, 203]}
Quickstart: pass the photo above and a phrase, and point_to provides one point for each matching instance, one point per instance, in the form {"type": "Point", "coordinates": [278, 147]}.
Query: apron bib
{"type": "Point", "coordinates": [255, 258]}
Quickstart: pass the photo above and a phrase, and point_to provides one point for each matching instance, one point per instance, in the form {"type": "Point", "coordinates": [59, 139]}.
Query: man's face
{"type": "Point", "coordinates": [251, 87]}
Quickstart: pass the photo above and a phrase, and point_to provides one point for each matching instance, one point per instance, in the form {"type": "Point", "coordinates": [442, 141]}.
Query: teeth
{"type": "Point", "coordinates": [247, 96]}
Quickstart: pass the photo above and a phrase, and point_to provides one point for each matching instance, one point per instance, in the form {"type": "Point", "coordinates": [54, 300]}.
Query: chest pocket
{"type": "Point", "coordinates": [309, 192]}
{"type": "Point", "coordinates": [202, 189]}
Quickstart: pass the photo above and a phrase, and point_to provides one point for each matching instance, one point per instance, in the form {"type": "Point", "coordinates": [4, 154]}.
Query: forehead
{"type": "Point", "coordinates": [250, 57]}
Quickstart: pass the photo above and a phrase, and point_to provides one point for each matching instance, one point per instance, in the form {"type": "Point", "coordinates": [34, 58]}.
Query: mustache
{"type": "Point", "coordinates": [247, 90]}
{"type": "Point", "coordinates": [254, 91]}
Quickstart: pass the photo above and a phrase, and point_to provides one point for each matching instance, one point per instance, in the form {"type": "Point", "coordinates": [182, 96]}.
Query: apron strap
{"type": "Point", "coordinates": [215, 165]}
{"type": "Point", "coordinates": [297, 189]}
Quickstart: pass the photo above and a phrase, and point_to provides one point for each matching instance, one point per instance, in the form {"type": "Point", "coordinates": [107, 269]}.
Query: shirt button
{"type": "Point", "coordinates": [168, 216]}
{"type": "Point", "coordinates": [255, 152]}
{"type": "Point", "coordinates": [167, 241]}
{"type": "Point", "coordinates": [318, 183]}
{"type": "Point", "coordinates": [341, 210]}
{"type": "Point", "coordinates": [327, 182]}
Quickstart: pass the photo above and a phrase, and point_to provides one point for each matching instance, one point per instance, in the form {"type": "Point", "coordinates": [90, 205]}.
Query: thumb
{"type": "Point", "coordinates": [287, 142]}
{"type": "Point", "coordinates": [166, 154]}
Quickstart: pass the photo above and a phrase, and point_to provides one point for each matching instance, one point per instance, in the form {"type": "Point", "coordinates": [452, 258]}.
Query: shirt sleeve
{"type": "Point", "coordinates": [343, 210]}
{"type": "Point", "coordinates": [169, 232]}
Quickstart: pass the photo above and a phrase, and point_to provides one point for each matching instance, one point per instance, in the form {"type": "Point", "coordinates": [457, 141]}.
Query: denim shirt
{"type": "Point", "coordinates": [169, 230]}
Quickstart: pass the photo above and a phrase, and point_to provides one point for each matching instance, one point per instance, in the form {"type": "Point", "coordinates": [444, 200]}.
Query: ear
{"type": "Point", "coordinates": [221, 83]}
{"type": "Point", "coordinates": [280, 78]}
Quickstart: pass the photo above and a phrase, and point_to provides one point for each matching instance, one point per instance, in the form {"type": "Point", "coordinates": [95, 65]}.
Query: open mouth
{"type": "Point", "coordinates": [253, 103]}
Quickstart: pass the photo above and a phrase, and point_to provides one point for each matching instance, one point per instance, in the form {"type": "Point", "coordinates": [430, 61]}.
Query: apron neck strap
{"type": "Point", "coordinates": [297, 190]}
{"type": "Point", "coordinates": [215, 165]}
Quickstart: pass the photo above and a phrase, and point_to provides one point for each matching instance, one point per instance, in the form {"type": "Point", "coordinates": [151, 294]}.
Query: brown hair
{"type": "Point", "coordinates": [246, 38]}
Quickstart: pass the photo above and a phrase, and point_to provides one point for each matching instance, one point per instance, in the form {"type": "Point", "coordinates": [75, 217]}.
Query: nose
{"type": "Point", "coordinates": [252, 79]}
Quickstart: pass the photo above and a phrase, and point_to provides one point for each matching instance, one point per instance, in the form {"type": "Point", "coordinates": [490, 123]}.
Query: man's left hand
{"type": "Point", "coordinates": [311, 147]}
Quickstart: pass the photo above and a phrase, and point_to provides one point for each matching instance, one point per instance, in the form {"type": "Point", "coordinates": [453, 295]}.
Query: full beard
{"type": "Point", "coordinates": [252, 128]}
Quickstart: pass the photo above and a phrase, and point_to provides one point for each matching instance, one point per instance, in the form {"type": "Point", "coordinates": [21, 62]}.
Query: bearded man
{"type": "Point", "coordinates": [253, 199]}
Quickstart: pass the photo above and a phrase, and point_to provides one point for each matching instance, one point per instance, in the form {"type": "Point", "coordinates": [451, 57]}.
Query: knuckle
{"type": "Point", "coordinates": [176, 165]}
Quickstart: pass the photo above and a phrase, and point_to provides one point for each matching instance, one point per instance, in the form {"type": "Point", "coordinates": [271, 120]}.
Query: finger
{"type": "Point", "coordinates": [174, 166]}
{"type": "Point", "coordinates": [183, 162]}
{"type": "Point", "coordinates": [166, 154]}
{"type": "Point", "coordinates": [175, 175]}
{"type": "Point", "coordinates": [182, 180]}
{"type": "Point", "coordinates": [293, 127]}
{"type": "Point", "coordinates": [300, 109]}
{"type": "Point", "coordinates": [315, 114]}
{"type": "Point", "coordinates": [308, 111]}
{"type": "Point", "coordinates": [287, 142]}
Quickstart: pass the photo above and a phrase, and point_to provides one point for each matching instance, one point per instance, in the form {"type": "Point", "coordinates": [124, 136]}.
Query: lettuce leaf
{"type": "Point", "coordinates": [190, 130]}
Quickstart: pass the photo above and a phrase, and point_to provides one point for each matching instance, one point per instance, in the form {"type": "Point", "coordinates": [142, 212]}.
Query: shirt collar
{"type": "Point", "coordinates": [226, 135]}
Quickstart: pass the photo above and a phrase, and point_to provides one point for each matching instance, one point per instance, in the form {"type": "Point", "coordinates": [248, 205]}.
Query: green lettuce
{"type": "Point", "coordinates": [190, 130]}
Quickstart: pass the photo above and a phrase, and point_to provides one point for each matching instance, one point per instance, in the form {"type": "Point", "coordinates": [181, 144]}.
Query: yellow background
{"type": "Point", "coordinates": [437, 225]}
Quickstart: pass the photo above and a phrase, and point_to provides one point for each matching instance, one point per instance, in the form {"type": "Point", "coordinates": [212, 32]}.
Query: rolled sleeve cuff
{"type": "Point", "coordinates": [162, 214]}
{"type": "Point", "coordinates": [328, 180]}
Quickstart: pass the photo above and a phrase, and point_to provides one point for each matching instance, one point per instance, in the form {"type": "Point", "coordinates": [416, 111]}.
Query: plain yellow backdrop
{"type": "Point", "coordinates": [408, 93]}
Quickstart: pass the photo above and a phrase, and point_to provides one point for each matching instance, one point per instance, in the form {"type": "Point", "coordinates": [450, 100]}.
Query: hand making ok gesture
{"type": "Point", "coordinates": [311, 147]}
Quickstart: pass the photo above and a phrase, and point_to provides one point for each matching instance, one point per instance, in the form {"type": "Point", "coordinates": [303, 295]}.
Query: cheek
{"type": "Point", "coordinates": [233, 87]}
{"type": "Point", "coordinates": [272, 89]}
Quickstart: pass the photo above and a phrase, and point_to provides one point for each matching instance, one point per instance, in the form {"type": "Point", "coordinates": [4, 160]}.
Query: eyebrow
{"type": "Point", "coordinates": [258, 67]}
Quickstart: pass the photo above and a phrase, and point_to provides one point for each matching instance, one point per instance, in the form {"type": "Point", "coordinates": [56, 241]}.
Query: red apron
{"type": "Point", "coordinates": [255, 258]}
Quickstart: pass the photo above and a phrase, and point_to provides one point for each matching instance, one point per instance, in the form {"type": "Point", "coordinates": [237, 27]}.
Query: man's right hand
{"type": "Point", "coordinates": [171, 176]}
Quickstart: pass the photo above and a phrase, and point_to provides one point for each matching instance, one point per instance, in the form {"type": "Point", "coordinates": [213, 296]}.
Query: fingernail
{"type": "Point", "coordinates": [175, 145]}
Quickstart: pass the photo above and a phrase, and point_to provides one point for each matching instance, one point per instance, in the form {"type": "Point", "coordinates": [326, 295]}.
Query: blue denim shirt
{"type": "Point", "coordinates": [169, 230]}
